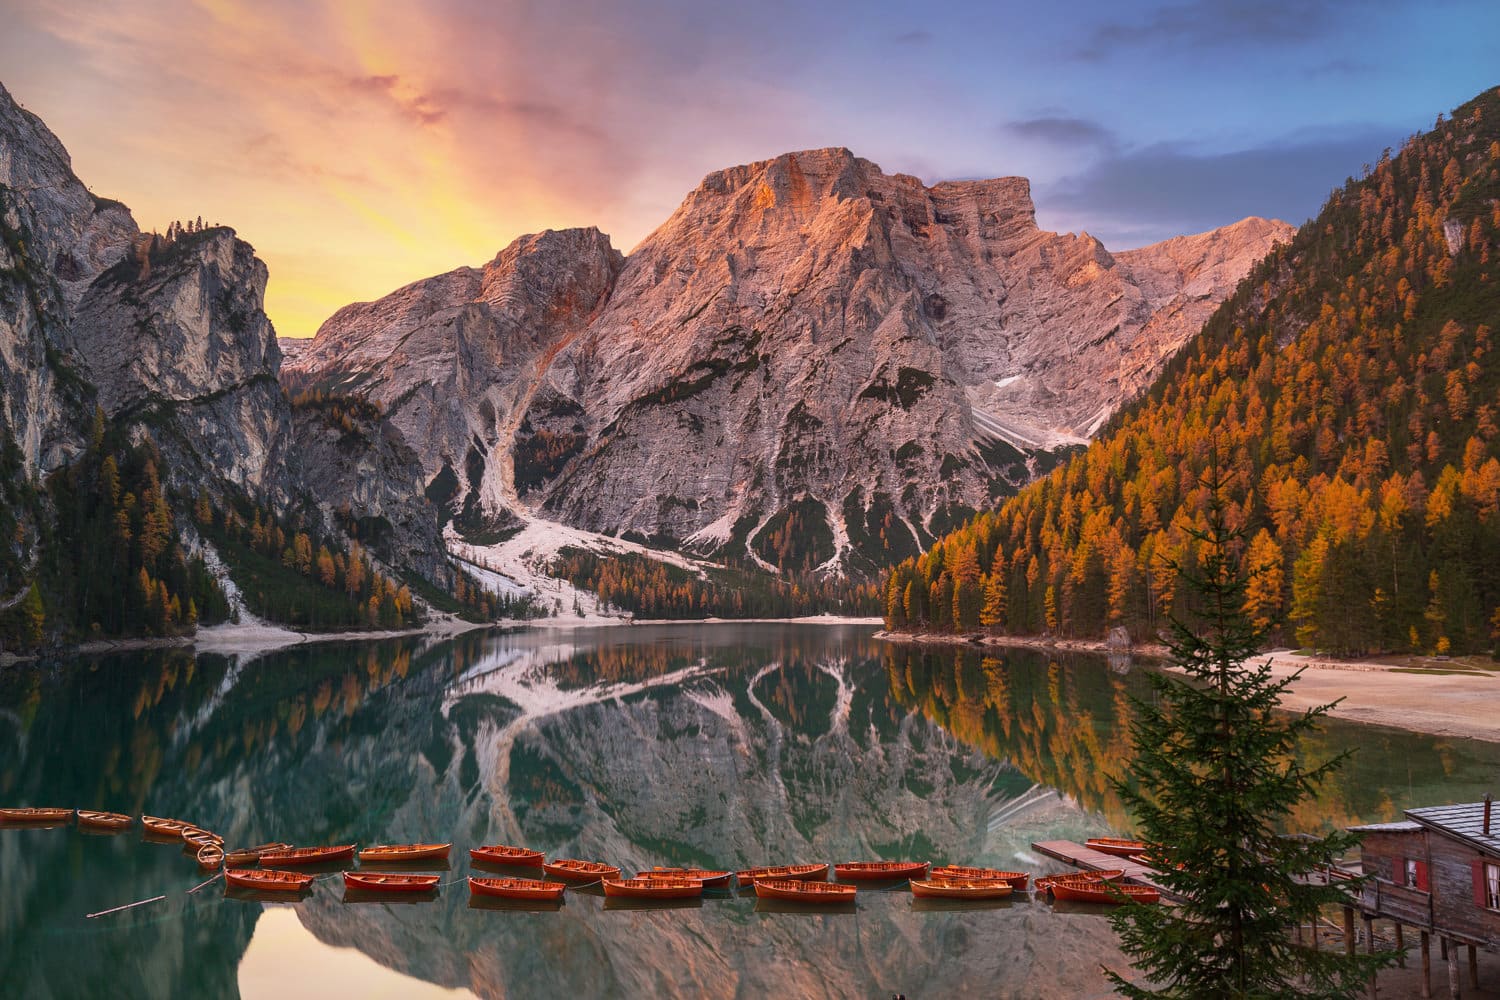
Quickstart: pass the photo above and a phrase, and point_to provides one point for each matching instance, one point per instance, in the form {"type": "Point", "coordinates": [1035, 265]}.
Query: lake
{"type": "Point", "coordinates": [717, 745]}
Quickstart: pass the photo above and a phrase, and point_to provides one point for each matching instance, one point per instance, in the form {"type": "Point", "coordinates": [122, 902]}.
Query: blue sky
{"type": "Point", "coordinates": [359, 146]}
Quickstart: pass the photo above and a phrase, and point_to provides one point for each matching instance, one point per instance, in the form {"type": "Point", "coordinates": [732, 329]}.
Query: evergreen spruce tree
{"type": "Point", "coordinates": [1216, 779]}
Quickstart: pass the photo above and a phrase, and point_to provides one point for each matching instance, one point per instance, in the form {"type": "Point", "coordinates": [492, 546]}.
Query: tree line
{"type": "Point", "coordinates": [110, 559]}
{"type": "Point", "coordinates": [652, 588]}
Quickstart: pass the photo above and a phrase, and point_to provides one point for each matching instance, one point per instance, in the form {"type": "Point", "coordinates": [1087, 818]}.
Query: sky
{"type": "Point", "coordinates": [361, 146]}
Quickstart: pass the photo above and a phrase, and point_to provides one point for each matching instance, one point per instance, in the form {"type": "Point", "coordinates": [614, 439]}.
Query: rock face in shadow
{"type": "Point", "coordinates": [804, 335]}
{"type": "Point", "coordinates": [169, 338]}
{"type": "Point", "coordinates": [57, 238]}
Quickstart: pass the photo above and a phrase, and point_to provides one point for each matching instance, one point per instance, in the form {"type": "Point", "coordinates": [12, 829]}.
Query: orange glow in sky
{"type": "Point", "coordinates": [363, 144]}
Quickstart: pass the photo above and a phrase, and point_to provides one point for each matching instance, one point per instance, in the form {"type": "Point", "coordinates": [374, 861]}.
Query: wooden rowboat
{"type": "Point", "coordinates": [768, 873]}
{"type": "Point", "coordinates": [1103, 892]}
{"type": "Point", "coordinates": [308, 855]}
{"type": "Point", "coordinates": [961, 888]}
{"type": "Point", "coordinates": [516, 888]}
{"type": "Point", "coordinates": [1113, 845]}
{"type": "Point", "coordinates": [1044, 883]}
{"type": "Point", "coordinates": [266, 881]}
{"type": "Point", "coordinates": [29, 814]}
{"type": "Point", "coordinates": [866, 871]}
{"type": "Point", "coordinates": [251, 855]}
{"type": "Point", "coordinates": [710, 879]}
{"type": "Point", "coordinates": [95, 820]}
{"type": "Point", "coordinates": [1017, 880]}
{"type": "Point", "coordinates": [798, 891]}
{"type": "Point", "coordinates": [162, 827]}
{"type": "Point", "coordinates": [196, 839]}
{"type": "Point", "coordinates": [573, 870]}
{"type": "Point", "coordinates": [504, 854]}
{"type": "Point", "coordinates": [373, 882]}
{"type": "Point", "coordinates": [390, 853]}
{"type": "Point", "coordinates": [210, 857]}
{"type": "Point", "coordinates": [654, 888]}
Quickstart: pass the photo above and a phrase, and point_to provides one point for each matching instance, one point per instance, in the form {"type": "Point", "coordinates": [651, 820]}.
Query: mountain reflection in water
{"type": "Point", "coordinates": [720, 745]}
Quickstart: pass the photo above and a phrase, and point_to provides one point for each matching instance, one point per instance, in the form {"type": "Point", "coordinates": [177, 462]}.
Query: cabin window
{"type": "Point", "coordinates": [1411, 872]}
{"type": "Point", "coordinates": [1492, 886]}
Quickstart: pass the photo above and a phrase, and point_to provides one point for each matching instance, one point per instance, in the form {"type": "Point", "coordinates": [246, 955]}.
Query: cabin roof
{"type": "Point", "coordinates": [1464, 820]}
{"type": "Point", "coordinates": [1400, 826]}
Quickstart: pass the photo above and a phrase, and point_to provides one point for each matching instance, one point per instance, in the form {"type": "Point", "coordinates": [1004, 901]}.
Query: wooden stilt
{"type": "Point", "coordinates": [1400, 945]}
{"type": "Point", "coordinates": [1370, 948]}
{"type": "Point", "coordinates": [1473, 967]}
{"type": "Point", "coordinates": [1315, 931]}
{"type": "Point", "coordinates": [1348, 930]}
{"type": "Point", "coordinates": [1426, 965]}
{"type": "Point", "coordinates": [1453, 969]}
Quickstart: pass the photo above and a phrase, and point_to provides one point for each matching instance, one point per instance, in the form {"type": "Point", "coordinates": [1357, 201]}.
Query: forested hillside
{"type": "Point", "coordinates": [1351, 391]}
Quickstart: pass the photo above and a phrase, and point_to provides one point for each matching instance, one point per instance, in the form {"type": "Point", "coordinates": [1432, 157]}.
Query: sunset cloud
{"type": "Point", "coordinates": [360, 146]}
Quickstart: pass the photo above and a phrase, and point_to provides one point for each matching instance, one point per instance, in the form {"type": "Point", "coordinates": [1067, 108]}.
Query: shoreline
{"type": "Point", "coordinates": [1435, 697]}
{"type": "Point", "coordinates": [250, 638]}
{"type": "Point", "coordinates": [258, 637]}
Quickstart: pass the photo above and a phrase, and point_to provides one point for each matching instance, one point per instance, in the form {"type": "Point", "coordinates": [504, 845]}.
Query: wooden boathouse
{"type": "Point", "coordinates": [1438, 872]}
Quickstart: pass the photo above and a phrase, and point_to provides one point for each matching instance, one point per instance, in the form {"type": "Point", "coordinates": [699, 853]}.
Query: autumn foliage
{"type": "Point", "coordinates": [1352, 389]}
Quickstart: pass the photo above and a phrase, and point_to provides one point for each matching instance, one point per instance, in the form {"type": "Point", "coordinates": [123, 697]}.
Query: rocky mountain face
{"type": "Point", "coordinates": [57, 238]}
{"type": "Point", "coordinates": [168, 337]}
{"type": "Point", "coordinates": [810, 365]}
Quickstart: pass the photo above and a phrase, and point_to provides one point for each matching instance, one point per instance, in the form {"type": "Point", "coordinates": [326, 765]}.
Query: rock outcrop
{"type": "Point", "coordinates": [55, 239]}
{"type": "Point", "coordinates": [811, 364]}
{"type": "Point", "coordinates": [181, 343]}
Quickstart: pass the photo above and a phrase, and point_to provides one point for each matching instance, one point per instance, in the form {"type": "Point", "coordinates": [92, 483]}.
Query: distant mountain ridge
{"type": "Point", "coordinates": [1351, 390]}
{"type": "Point", "coordinates": [812, 365]}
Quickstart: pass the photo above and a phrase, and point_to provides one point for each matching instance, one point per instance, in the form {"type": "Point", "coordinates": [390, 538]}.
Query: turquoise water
{"type": "Point", "coordinates": [719, 745]}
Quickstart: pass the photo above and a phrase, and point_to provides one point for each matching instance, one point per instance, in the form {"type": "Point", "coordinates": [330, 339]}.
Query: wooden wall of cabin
{"type": "Point", "coordinates": [1381, 853]}
{"type": "Point", "coordinates": [1453, 892]}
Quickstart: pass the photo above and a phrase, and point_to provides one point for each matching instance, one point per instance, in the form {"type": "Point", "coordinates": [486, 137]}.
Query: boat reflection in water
{"type": "Point", "coordinates": [719, 747]}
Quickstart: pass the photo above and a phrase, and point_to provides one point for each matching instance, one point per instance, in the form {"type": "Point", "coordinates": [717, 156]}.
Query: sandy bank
{"type": "Point", "coordinates": [1463, 703]}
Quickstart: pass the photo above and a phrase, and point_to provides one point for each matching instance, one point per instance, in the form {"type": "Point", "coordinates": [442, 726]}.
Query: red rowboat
{"type": "Point", "coordinates": [1103, 892]}
{"type": "Point", "coordinates": [1113, 845]}
{"type": "Point", "coordinates": [193, 842]}
{"type": "Point", "coordinates": [507, 855]}
{"type": "Point", "coordinates": [1017, 880]}
{"type": "Point", "coordinates": [210, 857]}
{"type": "Point", "coordinates": [710, 879]}
{"type": "Point", "coordinates": [573, 870]}
{"type": "Point", "coordinates": [504, 854]}
{"type": "Point", "coordinates": [94, 820]}
{"type": "Point", "coordinates": [769, 873]}
{"type": "Point", "coordinates": [961, 888]}
{"type": "Point", "coordinates": [34, 815]}
{"type": "Point", "coordinates": [251, 855]}
{"type": "Point", "coordinates": [308, 855]}
{"type": "Point", "coordinates": [865, 871]}
{"type": "Point", "coordinates": [165, 827]}
{"type": "Point", "coordinates": [654, 888]}
{"type": "Point", "coordinates": [1044, 883]}
{"type": "Point", "coordinates": [797, 891]}
{"type": "Point", "coordinates": [405, 852]}
{"type": "Point", "coordinates": [516, 888]}
{"type": "Point", "coordinates": [372, 882]}
{"type": "Point", "coordinates": [267, 881]}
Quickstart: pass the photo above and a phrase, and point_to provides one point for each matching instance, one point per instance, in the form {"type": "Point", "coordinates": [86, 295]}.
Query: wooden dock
{"type": "Point", "coordinates": [1086, 857]}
